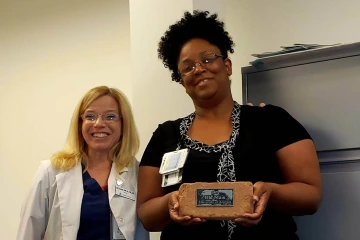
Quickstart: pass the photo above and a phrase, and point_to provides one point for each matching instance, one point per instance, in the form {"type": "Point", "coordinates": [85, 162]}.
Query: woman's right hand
{"type": "Point", "coordinates": [173, 205]}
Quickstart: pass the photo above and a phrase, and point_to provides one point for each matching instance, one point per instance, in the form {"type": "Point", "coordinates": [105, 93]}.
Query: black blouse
{"type": "Point", "coordinates": [263, 131]}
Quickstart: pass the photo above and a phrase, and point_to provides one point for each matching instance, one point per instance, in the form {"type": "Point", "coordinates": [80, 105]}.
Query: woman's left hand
{"type": "Point", "coordinates": [262, 192]}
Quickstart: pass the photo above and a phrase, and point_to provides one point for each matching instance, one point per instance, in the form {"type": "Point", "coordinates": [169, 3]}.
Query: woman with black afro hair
{"type": "Point", "coordinates": [227, 142]}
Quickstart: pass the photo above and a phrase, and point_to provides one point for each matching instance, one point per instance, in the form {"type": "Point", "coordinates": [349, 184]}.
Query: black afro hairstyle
{"type": "Point", "coordinates": [197, 25]}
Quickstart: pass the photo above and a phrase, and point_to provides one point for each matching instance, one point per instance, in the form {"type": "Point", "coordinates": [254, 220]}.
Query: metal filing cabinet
{"type": "Point", "coordinates": [321, 89]}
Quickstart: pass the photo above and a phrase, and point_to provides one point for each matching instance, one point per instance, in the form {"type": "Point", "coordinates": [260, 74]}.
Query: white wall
{"type": "Point", "coordinates": [51, 53]}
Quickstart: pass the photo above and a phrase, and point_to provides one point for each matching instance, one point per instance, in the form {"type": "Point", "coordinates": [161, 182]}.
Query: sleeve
{"type": "Point", "coordinates": [283, 128]}
{"type": "Point", "coordinates": [135, 167]}
{"type": "Point", "coordinates": [140, 232]}
{"type": "Point", "coordinates": [34, 211]}
{"type": "Point", "coordinates": [155, 149]}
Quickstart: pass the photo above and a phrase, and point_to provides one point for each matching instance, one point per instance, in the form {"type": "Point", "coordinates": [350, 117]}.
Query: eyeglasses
{"type": "Point", "coordinates": [205, 62]}
{"type": "Point", "coordinates": [107, 117]}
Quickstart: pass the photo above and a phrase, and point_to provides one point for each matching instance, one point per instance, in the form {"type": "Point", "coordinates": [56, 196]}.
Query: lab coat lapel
{"type": "Point", "coordinates": [114, 179]}
{"type": "Point", "coordinates": [71, 191]}
{"type": "Point", "coordinates": [119, 180]}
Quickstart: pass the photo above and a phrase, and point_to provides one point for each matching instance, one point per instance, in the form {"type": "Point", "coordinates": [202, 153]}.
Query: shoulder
{"type": "Point", "coordinates": [166, 136]}
{"type": "Point", "coordinates": [278, 117]}
{"type": "Point", "coordinates": [277, 125]}
{"type": "Point", "coordinates": [169, 125]}
{"type": "Point", "coordinates": [252, 117]}
{"type": "Point", "coordinates": [48, 171]}
{"type": "Point", "coordinates": [266, 116]}
{"type": "Point", "coordinates": [268, 110]}
{"type": "Point", "coordinates": [276, 111]}
{"type": "Point", "coordinates": [45, 164]}
{"type": "Point", "coordinates": [45, 175]}
{"type": "Point", "coordinates": [47, 168]}
{"type": "Point", "coordinates": [167, 131]}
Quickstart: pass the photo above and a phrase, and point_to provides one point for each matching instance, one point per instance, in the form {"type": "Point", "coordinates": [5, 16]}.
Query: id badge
{"type": "Point", "coordinates": [115, 232]}
{"type": "Point", "coordinates": [173, 161]}
{"type": "Point", "coordinates": [172, 178]}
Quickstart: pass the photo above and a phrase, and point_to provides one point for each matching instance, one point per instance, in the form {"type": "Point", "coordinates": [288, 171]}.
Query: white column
{"type": "Point", "coordinates": [155, 98]}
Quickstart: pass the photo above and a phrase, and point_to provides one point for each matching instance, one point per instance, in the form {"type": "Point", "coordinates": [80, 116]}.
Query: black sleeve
{"type": "Point", "coordinates": [283, 128]}
{"type": "Point", "coordinates": [163, 140]}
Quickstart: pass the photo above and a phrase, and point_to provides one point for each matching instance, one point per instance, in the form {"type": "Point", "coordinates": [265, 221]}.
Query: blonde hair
{"type": "Point", "coordinates": [75, 150]}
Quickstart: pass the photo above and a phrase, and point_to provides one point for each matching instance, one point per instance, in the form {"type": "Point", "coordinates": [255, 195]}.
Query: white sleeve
{"type": "Point", "coordinates": [35, 210]}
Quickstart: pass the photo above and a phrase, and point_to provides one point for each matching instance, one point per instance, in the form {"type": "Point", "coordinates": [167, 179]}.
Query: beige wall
{"type": "Point", "coordinates": [51, 53]}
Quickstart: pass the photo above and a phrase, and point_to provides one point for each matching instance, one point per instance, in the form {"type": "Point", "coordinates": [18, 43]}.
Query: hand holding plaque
{"type": "Point", "coordinates": [262, 192]}
{"type": "Point", "coordinates": [173, 205]}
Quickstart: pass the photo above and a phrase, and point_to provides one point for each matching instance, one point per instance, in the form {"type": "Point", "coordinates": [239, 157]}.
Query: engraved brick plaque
{"type": "Point", "coordinates": [216, 201]}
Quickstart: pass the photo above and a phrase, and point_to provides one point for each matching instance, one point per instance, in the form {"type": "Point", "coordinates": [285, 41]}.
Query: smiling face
{"type": "Point", "coordinates": [210, 79]}
{"type": "Point", "coordinates": [100, 135]}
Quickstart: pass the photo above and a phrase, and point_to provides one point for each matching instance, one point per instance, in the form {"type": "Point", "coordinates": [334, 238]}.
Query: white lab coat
{"type": "Point", "coordinates": [52, 208]}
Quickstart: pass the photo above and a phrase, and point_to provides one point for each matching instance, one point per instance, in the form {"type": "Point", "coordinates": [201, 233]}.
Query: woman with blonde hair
{"type": "Point", "coordinates": [88, 190]}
